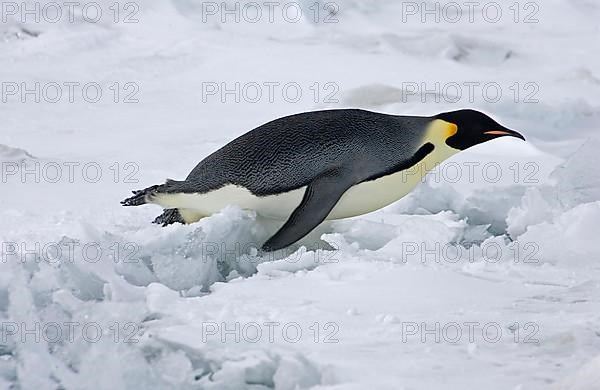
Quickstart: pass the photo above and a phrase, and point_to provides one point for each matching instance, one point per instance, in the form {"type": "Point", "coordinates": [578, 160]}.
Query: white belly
{"type": "Point", "coordinates": [360, 199]}
{"type": "Point", "coordinates": [373, 195]}
{"type": "Point", "coordinates": [274, 206]}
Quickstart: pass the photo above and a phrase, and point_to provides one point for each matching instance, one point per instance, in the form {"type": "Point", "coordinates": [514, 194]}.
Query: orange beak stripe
{"type": "Point", "coordinates": [497, 132]}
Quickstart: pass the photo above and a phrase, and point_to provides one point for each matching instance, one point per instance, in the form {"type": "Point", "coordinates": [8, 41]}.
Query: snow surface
{"type": "Point", "coordinates": [402, 301]}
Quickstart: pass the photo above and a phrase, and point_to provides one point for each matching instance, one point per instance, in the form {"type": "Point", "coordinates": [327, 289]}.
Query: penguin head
{"type": "Point", "coordinates": [474, 127]}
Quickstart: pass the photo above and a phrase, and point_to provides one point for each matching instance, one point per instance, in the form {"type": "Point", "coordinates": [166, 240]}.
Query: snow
{"type": "Point", "coordinates": [486, 275]}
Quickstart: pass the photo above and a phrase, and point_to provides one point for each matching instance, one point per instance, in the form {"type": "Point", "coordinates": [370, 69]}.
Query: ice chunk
{"type": "Point", "coordinates": [426, 199]}
{"type": "Point", "coordinates": [300, 260]}
{"type": "Point", "coordinates": [535, 208]}
{"type": "Point", "coordinates": [578, 179]}
{"type": "Point", "coordinates": [15, 155]}
{"type": "Point", "coordinates": [175, 367]}
{"type": "Point", "coordinates": [491, 206]}
{"type": "Point", "coordinates": [84, 285]}
{"type": "Point", "coordinates": [570, 237]}
{"type": "Point", "coordinates": [296, 372]}
{"type": "Point", "coordinates": [258, 369]}
{"type": "Point", "coordinates": [222, 244]}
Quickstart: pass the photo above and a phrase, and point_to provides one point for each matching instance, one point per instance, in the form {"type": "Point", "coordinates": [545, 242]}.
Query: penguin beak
{"type": "Point", "coordinates": [505, 132]}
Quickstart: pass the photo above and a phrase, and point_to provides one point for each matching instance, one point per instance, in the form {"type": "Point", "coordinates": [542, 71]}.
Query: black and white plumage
{"type": "Point", "coordinates": [313, 166]}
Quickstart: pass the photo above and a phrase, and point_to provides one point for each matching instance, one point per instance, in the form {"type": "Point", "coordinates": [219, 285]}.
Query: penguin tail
{"type": "Point", "coordinates": [146, 195]}
{"type": "Point", "coordinates": [140, 197]}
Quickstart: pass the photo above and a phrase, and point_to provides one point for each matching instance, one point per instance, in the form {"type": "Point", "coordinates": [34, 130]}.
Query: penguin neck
{"type": "Point", "coordinates": [436, 133]}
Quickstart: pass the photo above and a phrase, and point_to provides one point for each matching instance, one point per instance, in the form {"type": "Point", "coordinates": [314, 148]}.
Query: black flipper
{"type": "Point", "coordinates": [320, 197]}
{"type": "Point", "coordinates": [168, 217]}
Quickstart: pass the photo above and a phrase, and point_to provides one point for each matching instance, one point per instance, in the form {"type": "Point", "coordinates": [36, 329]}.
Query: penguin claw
{"type": "Point", "coordinates": [168, 217]}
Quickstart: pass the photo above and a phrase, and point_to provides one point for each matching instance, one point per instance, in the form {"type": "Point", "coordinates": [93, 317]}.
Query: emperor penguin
{"type": "Point", "coordinates": [321, 165]}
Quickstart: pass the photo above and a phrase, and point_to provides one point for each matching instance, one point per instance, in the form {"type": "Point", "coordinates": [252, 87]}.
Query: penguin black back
{"type": "Point", "coordinates": [289, 152]}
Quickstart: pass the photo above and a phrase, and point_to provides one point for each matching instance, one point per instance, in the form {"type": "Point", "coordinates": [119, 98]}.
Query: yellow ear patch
{"type": "Point", "coordinates": [439, 131]}
{"type": "Point", "coordinates": [451, 129]}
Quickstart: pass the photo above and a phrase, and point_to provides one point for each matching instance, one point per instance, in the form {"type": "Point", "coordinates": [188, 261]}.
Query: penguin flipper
{"type": "Point", "coordinates": [320, 197]}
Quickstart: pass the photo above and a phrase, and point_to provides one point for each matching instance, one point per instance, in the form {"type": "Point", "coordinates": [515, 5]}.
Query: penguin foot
{"type": "Point", "coordinates": [168, 217]}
